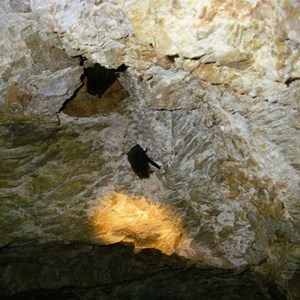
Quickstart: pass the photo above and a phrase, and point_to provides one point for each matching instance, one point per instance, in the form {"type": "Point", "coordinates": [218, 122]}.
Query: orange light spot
{"type": "Point", "coordinates": [123, 218]}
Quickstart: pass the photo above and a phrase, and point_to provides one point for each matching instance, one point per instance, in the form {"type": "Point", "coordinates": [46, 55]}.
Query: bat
{"type": "Point", "coordinates": [139, 161]}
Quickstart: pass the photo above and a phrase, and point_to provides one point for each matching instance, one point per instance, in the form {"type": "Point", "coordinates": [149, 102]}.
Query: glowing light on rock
{"type": "Point", "coordinates": [123, 218]}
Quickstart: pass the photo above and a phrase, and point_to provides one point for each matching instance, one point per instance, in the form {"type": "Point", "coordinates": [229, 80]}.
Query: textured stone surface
{"type": "Point", "coordinates": [64, 272]}
{"type": "Point", "coordinates": [37, 75]}
{"type": "Point", "coordinates": [86, 105]}
{"type": "Point", "coordinates": [213, 91]}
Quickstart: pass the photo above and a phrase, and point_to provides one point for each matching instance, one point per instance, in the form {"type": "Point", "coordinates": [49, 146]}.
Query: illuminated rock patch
{"type": "Point", "coordinates": [121, 217]}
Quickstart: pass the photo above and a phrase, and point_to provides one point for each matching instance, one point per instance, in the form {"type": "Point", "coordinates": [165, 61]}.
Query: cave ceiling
{"type": "Point", "coordinates": [211, 88]}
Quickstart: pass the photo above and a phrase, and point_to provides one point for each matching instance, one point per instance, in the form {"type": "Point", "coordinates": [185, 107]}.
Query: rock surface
{"type": "Point", "coordinates": [213, 91]}
{"type": "Point", "coordinates": [64, 272]}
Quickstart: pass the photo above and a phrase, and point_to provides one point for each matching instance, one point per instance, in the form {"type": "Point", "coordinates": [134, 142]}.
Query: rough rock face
{"type": "Point", "coordinates": [37, 76]}
{"type": "Point", "coordinates": [213, 92]}
{"type": "Point", "coordinates": [118, 273]}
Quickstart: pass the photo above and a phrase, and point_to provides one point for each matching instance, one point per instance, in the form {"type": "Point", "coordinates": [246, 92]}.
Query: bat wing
{"type": "Point", "coordinates": [153, 163]}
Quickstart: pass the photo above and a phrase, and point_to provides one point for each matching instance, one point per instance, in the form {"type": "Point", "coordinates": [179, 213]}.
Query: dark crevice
{"type": "Point", "coordinates": [96, 80]}
{"type": "Point", "coordinates": [72, 97]}
{"type": "Point", "coordinates": [99, 78]}
{"type": "Point", "coordinates": [290, 80]}
{"type": "Point", "coordinates": [81, 63]}
{"type": "Point", "coordinates": [175, 109]}
{"type": "Point", "coordinates": [195, 58]}
{"type": "Point", "coordinates": [171, 58]}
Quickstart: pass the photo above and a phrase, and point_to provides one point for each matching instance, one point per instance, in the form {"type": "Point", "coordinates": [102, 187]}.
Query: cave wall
{"type": "Point", "coordinates": [213, 92]}
{"type": "Point", "coordinates": [63, 271]}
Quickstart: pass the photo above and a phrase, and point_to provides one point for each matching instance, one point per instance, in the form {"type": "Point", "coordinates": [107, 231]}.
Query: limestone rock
{"type": "Point", "coordinates": [37, 76]}
{"type": "Point", "coordinates": [213, 91]}
{"type": "Point", "coordinates": [93, 28]}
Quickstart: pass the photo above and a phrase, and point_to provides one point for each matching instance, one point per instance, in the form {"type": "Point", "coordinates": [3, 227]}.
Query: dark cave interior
{"type": "Point", "coordinates": [85, 271]}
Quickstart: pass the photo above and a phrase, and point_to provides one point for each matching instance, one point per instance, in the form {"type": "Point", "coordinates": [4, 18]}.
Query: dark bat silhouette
{"type": "Point", "coordinates": [99, 78]}
{"type": "Point", "coordinates": [139, 161]}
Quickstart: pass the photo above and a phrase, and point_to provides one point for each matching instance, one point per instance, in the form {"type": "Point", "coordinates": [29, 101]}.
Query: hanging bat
{"type": "Point", "coordinates": [139, 161]}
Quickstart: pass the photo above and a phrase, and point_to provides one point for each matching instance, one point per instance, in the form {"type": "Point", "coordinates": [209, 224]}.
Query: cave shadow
{"type": "Point", "coordinates": [87, 271]}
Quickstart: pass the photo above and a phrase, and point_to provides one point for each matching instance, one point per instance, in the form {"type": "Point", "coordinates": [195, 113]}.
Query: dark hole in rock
{"type": "Point", "coordinates": [100, 93]}
{"type": "Point", "coordinates": [85, 271]}
{"type": "Point", "coordinates": [172, 58]}
{"type": "Point", "coordinates": [99, 79]}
